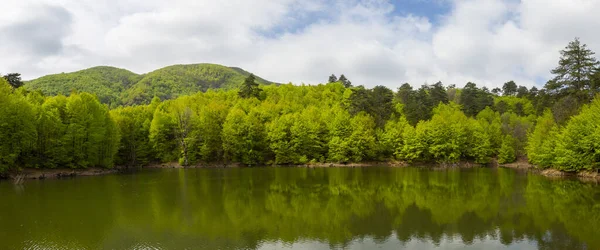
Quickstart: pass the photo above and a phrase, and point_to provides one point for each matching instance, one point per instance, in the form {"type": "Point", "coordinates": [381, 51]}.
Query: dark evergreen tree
{"type": "Point", "coordinates": [497, 91]}
{"type": "Point", "coordinates": [509, 88]}
{"type": "Point", "coordinates": [333, 78]}
{"type": "Point", "coordinates": [575, 72]}
{"type": "Point", "coordinates": [250, 88]}
{"type": "Point", "coordinates": [14, 79]}
{"type": "Point", "coordinates": [345, 81]}
{"type": "Point", "coordinates": [404, 93]}
{"type": "Point", "coordinates": [438, 94]}
{"type": "Point", "coordinates": [473, 99]}
{"type": "Point", "coordinates": [522, 92]}
{"type": "Point", "coordinates": [382, 101]}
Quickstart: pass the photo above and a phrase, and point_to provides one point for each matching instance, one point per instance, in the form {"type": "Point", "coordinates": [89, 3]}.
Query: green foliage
{"type": "Point", "coordinates": [91, 137]}
{"type": "Point", "coordinates": [75, 131]}
{"type": "Point", "coordinates": [392, 140]}
{"type": "Point", "coordinates": [507, 152]}
{"type": "Point", "coordinates": [332, 78]}
{"type": "Point", "coordinates": [250, 88]}
{"type": "Point", "coordinates": [287, 124]}
{"type": "Point", "coordinates": [108, 83]}
{"type": "Point", "coordinates": [575, 71]}
{"type": "Point", "coordinates": [377, 102]}
{"type": "Point", "coordinates": [345, 81]}
{"type": "Point", "coordinates": [17, 127]}
{"type": "Point", "coordinates": [578, 146]}
{"type": "Point", "coordinates": [134, 126]}
{"type": "Point", "coordinates": [473, 99]}
{"type": "Point", "coordinates": [244, 138]}
{"type": "Point", "coordinates": [116, 86]}
{"type": "Point", "coordinates": [509, 88]}
{"type": "Point", "coordinates": [447, 133]}
{"type": "Point", "coordinates": [480, 145]}
{"type": "Point", "coordinates": [517, 105]}
{"type": "Point", "coordinates": [541, 142]}
{"type": "Point", "coordinates": [14, 79]}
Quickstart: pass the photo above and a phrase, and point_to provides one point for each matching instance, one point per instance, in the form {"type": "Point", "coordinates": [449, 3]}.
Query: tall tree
{"type": "Point", "coordinates": [438, 94]}
{"type": "Point", "coordinates": [509, 88]}
{"type": "Point", "coordinates": [333, 78]}
{"type": "Point", "coordinates": [345, 81]}
{"type": "Point", "coordinates": [250, 88]}
{"type": "Point", "coordinates": [575, 71]}
{"type": "Point", "coordinates": [522, 91]}
{"type": "Point", "coordinates": [496, 91]}
{"type": "Point", "coordinates": [17, 128]}
{"type": "Point", "coordinates": [474, 99]}
{"type": "Point", "coordinates": [14, 79]}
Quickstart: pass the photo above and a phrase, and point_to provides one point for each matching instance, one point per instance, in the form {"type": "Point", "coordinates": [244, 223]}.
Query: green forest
{"type": "Point", "coordinates": [168, 117]}
{"type": "Point", "coordinates": [114, 86]}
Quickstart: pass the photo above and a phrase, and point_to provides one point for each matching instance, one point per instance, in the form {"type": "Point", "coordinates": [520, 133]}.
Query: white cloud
{"type": "Point", "coordinates": [484, 41]}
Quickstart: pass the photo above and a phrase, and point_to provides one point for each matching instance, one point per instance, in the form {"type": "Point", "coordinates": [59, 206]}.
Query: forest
{"type": "Point", "coordinates": [557, 126]}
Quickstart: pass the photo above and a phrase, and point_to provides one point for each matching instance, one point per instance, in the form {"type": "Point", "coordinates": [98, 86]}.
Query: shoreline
{"type": "Point", "coordinates": [520, 164]}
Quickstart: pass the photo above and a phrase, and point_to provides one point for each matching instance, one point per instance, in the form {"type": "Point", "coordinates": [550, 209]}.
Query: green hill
{"type": "Point", "coordinates": [176, 80]}
{"type": "Point", "coordinates": [106, 82]}
{"type": "Point", "coordinates": [118, 86]}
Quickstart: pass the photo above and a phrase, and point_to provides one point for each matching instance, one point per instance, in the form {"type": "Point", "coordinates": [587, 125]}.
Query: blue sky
{"type": "Point", "coordinates": [432, 9]}
{"type": "Point", "coordinates": [372, 42]}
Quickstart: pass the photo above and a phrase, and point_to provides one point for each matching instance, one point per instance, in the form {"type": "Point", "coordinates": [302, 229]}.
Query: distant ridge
{"type": "Point", "coordinates": [118, 86]}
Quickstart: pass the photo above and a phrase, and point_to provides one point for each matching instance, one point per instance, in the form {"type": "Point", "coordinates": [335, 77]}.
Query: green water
{"type": "Point", "coordinates": [300, 208]}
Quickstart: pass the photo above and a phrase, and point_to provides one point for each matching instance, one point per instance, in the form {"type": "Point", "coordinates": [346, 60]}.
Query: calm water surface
{"type": "Point", "coordinates": [300, 208]}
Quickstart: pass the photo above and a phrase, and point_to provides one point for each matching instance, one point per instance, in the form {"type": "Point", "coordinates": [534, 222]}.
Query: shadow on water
{"type": "Point", "coordinates": [302, 208]}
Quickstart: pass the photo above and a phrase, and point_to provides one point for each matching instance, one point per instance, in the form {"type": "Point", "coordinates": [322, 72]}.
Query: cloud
{"type": "Point", "coordinates": [372, 42]}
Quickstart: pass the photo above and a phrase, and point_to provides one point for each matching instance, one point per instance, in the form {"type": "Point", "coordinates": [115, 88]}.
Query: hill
{"type": "Point", "coordinates": [116, 86]}
{"type": "Point", "coordinates": [106, 82]}
{"type": "Point", "coordinates": [173, 81]}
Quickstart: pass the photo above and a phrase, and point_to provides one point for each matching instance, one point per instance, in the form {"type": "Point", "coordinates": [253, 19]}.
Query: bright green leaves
{"type": "Point", "coordinates": [507, 152]}
{"type": "Point", "coordinates": [134, 126]}
{"type": "Point", "coordinates": [17, 127]}
{"type": "Point", "coordinates": [352, 138]}
{"type": "Point", "coordinates": [75, 131]}
{"type": "Point", "coordinates": [541, 142]}
{"type": "Point", "coordinates": [91, 137]}
{"type": "Point", "coordinates": [244, 138]}
{"type": "Point", "coordinates": [578, 146]}
{"type": "Point", "coordinates": [574, 147]}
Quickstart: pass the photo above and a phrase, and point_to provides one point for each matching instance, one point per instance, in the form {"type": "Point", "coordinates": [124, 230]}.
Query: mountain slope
{"type": "Point", "coordinates": [106, 82]}
{"type": "Point", "coordinates": [176, 80]}
{"type": "Point", "coordinates": [116, 86]}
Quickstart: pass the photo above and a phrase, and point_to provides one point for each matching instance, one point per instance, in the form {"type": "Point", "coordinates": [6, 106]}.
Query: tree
{"type": "Point", "coordinates": [134, 126]}
{"type": "Point", "coordinates": [17, 127]}
{"type": "Point", "coordinates": [438, 94]}
{"type": "Point", "coordinates": [507, 152]}
{"type": "Point", "coordinates": [382, 104]}
{"type": "Point", "coordinates": [250, 88]}
{"type": "Point", "coordinates": [183, 117]}
{"type": "Point", "coordinates": [14, 79]}
{"type": "Point", "coordinates": [333, 78]}
{"type": "Point", "coordinates": [497, 91]}
{"type": "Point", "coordinates": [575, 71]}
{"type": "Point", "coordinates": [578, 145]}
{"type": "Point", "coordinates": [509, 88]}
{"type": "Point", "coordinates": [474, 99]}
{"type": "Point", "coordinates": [345, 81]}
{"type": "Point", "coordinates": [378, 102]}
{"type": "Point", "coordinates": [244, 137]}
{"type": "Point", "coordinates": [447, 133]}
{"type": "Point", "coordinates": [404, 93]}
{"type": "Point", "coordinates": [541, 142]}
{"type": "Point", "coordinates": [522, 92]}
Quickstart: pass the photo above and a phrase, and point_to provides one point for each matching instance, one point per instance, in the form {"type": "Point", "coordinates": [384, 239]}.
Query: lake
{"type": "Point", "coordinates": [302, 208]}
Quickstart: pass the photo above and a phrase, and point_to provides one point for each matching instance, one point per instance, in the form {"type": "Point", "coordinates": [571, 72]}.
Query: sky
{"type": "Point", "coordinates": [372, 42]}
